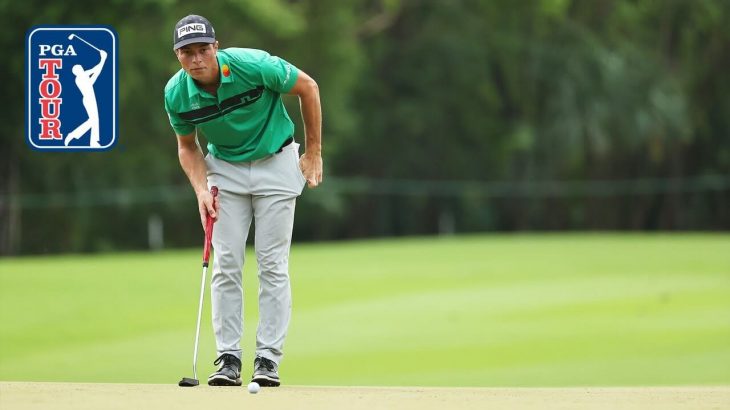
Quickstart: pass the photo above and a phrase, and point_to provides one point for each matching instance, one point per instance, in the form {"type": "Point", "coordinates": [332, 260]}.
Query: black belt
{"type": "Point", "coordinates": [287, 142]}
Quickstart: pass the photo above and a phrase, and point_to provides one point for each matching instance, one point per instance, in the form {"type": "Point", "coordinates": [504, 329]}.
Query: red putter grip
{"type": "Point", "coordinates": [209, 230]}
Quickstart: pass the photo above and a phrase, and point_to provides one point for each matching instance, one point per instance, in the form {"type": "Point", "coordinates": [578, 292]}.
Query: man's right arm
{"type": "Point", "coordinates": [94, 72]}
{"type": "Point", "coordinates": [193, 163]}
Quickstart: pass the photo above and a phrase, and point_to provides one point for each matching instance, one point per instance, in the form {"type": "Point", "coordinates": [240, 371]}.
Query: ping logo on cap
{"type": "Point", "coordinates": [190, 29]}
{"type": "Point", "coordinates": [71, 88]}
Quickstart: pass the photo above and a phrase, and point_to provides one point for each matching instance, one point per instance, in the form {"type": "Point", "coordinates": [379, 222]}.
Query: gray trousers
{"type": "Point", "coordinates": [265, 191]}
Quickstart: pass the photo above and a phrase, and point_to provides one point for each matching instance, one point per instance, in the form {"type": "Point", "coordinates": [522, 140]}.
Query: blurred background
{"type": "Point", "coordinates": [440, 117]}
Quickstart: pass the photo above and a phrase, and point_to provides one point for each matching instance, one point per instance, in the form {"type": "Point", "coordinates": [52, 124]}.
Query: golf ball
{"type": "Point", "coordinates": [253, 387]}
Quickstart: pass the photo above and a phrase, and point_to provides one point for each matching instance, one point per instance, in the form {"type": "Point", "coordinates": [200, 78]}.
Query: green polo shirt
{"type": "Point", "coordinates": [247, 119]}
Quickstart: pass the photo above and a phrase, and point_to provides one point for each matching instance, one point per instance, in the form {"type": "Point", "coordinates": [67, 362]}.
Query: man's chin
{"type": "Point", "coordinates": [197, 74]}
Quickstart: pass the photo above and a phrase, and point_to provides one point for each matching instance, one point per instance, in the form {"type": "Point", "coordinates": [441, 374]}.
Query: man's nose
{"type": "Point", "coordinates": [197, 58]}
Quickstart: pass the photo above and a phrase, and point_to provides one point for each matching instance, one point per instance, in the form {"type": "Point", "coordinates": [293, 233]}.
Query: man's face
{"type": "Point", "coordinates": [198, 60]}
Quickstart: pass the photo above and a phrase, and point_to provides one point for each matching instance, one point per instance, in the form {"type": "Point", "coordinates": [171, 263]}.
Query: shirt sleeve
{"type": "Point", "coordinates": [178, 125]}
{"type": "Point", "coordinates": [278, 74]}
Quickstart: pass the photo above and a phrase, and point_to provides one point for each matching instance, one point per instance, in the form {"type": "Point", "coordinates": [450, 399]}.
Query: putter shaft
{"type": "Point", "coordinates": [197, 326]}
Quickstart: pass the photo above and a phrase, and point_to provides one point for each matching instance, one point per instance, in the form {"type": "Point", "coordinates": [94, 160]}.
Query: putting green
{"type": "Point", "coordinates": [74, 396]}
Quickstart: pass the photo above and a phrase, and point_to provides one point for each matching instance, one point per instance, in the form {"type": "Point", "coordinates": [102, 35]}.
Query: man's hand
{"type": "Point", "coordinates": [311, 166]}
{"type": "Point", "coordinates": [207, 205]}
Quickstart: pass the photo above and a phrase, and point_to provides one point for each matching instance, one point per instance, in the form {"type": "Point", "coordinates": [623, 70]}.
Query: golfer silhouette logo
{"type": "Point", "coordinates": [72, 88]}
{"type": "Point", "coordinates": [85, 81]}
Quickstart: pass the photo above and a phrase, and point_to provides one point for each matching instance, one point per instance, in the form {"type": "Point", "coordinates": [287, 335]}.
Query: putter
{"type": "Point", "coordinates": [186, 381]}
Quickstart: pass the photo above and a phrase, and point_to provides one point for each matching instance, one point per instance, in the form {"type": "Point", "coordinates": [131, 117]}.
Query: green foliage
{"type": "Point", "coordinates": [430, 90]}
{"type": "Point", "coordinates": [521, 310]}
{"type": "Point", "coordinates": [546, 90]}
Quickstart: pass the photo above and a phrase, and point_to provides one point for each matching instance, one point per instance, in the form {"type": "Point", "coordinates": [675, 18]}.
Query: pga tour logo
{"type": "Point", "coordinates": [71, 88]}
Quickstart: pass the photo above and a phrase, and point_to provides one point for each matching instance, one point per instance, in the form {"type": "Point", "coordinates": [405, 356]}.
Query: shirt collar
{"type": "Point", "coordinates": [224, 67]}
{"type": "Point", "coordinates": [193, 90]}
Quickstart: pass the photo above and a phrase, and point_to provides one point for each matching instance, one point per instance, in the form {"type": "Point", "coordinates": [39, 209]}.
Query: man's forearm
{"type": "Point", "coordinates": [193, 163]}
{"type": "Point", "coordinates": [312, 117]}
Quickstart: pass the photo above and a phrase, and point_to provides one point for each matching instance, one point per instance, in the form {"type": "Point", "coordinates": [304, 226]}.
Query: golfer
{"type": "Point", "coordinates": [85, 80]}
{"type": "Point", "coordinates": [233, 97]}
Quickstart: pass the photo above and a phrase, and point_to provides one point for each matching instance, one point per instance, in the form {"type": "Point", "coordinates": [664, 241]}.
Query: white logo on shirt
{"type": "Point", "coordinates": [288, 73]}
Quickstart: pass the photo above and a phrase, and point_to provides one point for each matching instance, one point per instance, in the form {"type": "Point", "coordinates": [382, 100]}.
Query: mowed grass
{"type": "Point", "coordinates": [494, 310]}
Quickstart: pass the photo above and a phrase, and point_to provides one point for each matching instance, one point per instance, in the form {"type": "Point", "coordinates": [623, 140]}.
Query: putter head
{"type": "Point", "coordinates": [187, 382]}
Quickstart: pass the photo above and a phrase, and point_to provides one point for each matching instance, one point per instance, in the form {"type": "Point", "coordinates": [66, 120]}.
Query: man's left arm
{"type": "Point", "coordinates": [311, 161]}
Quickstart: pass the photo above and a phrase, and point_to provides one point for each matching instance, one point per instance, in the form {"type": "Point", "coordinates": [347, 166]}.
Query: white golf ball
{"type": "Point", "coordinates": [253, 387]}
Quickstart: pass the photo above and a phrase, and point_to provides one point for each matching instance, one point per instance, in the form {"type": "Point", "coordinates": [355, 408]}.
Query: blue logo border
{"type": "Point", "coordinates": [115, 99]}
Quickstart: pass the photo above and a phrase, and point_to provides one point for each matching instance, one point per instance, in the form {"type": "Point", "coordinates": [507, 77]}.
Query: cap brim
{"type": "Point", "coordinates": [182, 43]}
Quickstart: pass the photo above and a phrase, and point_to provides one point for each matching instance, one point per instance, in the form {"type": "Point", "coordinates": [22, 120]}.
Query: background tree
{"type": "Point", "coordinates": [439, 116]}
